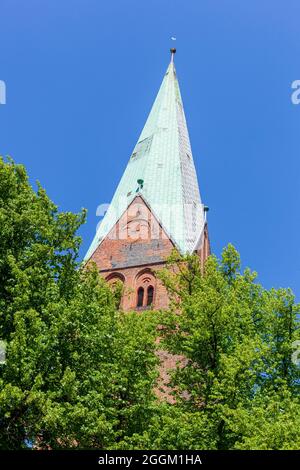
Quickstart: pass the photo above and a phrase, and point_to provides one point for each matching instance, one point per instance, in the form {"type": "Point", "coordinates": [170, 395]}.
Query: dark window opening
{"type": "Point", "coordinates": [150, 294]}
{"type": "Point", "coordinates": [140, 297]}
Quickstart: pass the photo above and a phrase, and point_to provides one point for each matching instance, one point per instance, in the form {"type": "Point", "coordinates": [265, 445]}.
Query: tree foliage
{"type": "Point", "coordinates": [238, 339]}
{"type": "Point", "coordinates": [79, 373]}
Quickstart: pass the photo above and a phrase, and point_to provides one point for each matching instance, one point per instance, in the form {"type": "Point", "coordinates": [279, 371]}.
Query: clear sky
{"type": "Point", "coordinates": [81, 76]}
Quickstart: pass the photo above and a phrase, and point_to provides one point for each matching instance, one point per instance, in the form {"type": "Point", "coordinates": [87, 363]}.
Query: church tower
{"type": "Point", "coordinates": [156, 207]}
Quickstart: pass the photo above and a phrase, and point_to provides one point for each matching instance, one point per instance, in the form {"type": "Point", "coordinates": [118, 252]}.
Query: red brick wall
{"type": "Point", "coordinates": [133, 251]}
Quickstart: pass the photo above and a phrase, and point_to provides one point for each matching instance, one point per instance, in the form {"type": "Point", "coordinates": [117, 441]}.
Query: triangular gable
{"type": "Point", "coordinates": [136, 239]}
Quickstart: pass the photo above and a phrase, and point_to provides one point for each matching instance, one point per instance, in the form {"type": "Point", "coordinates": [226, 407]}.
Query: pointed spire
{"type": "Point", "coordinates": [162, 159]}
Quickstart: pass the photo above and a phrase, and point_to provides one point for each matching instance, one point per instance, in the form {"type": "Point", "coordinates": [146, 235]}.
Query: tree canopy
{"type": "Point", "coordinates": [80, 373]}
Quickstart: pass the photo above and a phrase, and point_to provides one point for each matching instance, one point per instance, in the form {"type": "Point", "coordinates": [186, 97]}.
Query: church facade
{"type": "Point", "coordinates": [156, 207]}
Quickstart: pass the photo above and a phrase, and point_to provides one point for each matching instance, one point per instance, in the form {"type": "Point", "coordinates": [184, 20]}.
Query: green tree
{"type": "Point", "coordinates": [78, 373]}
{"type": "Point", "coordinates": [81, 373]}
{"type": "Point", "coordinates": [237, 338]}
{"type": "Point", "coordinates": [170, 427]}
{"type": "Point", "coordinates": [38, 244]}
{"type": "Point", "coordinates": [272, 422]}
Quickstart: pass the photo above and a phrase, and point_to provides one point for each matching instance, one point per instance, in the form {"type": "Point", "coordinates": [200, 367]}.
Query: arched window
{"type": "Point", "coordinates": [150, 294]}
{"type": "Point", "coordinates": [145, 289]}
{"type": "Point", "coordinates": [140, 297]}
{"type": "Point", "coordinates": [114, 277]}
{"type": "Point", "coordinates": [116, 282]}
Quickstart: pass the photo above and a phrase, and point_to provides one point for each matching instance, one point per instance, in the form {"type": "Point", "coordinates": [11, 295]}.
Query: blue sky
{"type": "Point", "coordinates": [81, 76]}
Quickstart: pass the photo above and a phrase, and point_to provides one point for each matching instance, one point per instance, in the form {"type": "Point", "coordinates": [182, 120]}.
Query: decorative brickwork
{"type": "Point", "coordinates": [132, 252]}
{"type": "Point", "coordinates": [136, 247]}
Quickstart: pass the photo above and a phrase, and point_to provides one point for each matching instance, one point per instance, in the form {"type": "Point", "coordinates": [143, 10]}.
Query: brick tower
{"type": "Point", "coordinates": [156, 206]}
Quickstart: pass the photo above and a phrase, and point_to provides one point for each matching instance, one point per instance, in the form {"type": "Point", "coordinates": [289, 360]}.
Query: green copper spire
{"type": "Point", "coordinates": [163, 164]}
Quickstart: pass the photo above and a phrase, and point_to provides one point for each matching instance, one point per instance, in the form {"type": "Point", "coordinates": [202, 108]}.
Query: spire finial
{"type": "Point", "coordinates": [173, 51]}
